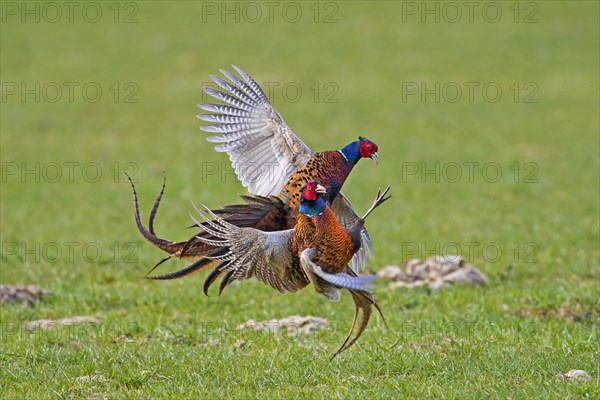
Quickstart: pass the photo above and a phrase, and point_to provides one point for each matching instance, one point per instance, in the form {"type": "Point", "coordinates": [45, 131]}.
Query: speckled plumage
{"type": "Point", "coordinates": [317, 250]}
{"type": "Point", "coordinates": [328, 168]}
{"type": "Point", "coordinates": [268, 237]}
{"type": "Point", "coordinates": [256, 138]}
{"type": "Point", "coordinates": [273, 213]}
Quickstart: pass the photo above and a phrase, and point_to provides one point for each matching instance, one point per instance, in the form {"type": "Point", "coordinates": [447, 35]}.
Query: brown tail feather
{"type": "Point", "coordinates": [158, 263]}
{"type": "Point", "coordinates": [364, 301]}
{"type": "Point", "coordinates": [266, 213]}
{"type": "Point", "coordinates": [194, 267]}
{"type": "Point", "coordinates": [168, 246]}
{"type": "Point", "coordinates": [195, 248]}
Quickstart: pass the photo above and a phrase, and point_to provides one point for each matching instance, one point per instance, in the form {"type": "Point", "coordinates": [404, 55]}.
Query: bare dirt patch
{"type": "Point", "coordinates": [436, 272]}
{"type": "Point", "coordinates": [19, 294]}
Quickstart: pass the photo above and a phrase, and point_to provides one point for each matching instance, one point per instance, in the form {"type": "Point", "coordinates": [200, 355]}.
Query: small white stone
{"type": "Point", "coordinates": [391, 273]}
{"type": "Point", "coordinates": [57, 323]}
{"type": "Point", "coordinates": [294, 324]}
{"type": "Point", "coordinates": [575, 374]}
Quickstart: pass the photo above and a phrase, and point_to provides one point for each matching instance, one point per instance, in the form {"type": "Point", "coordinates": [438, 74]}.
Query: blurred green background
{"type": "Point", "coordinates": [385, 70]}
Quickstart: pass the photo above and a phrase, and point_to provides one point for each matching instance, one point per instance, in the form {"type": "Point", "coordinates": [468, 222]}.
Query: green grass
{"type": "Point", "coordinates": [509, 339]}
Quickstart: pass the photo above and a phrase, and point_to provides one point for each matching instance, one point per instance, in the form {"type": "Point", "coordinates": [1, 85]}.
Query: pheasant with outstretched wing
{"type": "Point", "coordinates": [317, 250]}
{"type": "Point", "coordinates": [270, 160]}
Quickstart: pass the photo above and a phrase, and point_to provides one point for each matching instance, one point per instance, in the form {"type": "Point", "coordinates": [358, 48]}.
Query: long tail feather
{"type": "Point", "coordinates": [159, 263]}
{"type": "Point", "coordinates": [155, 207]}
{"type": "Point", "coordinates": [364, 301]}
{"type": "Point", "coordinates": [356, 311]}
{"type": "Point", "coordinates": [195, 248]}
{"type": "Point", "coordinates": [194, 267]}
{"type": "Point", "coordinates": [166, 245]}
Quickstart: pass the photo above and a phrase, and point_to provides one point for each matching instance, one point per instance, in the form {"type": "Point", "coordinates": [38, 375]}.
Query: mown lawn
{"type": "Point", "coordinates": [507, 178]}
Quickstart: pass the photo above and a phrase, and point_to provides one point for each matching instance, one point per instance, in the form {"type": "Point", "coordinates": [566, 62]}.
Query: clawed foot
{"type": "Point", "coordinates": [379, 200]}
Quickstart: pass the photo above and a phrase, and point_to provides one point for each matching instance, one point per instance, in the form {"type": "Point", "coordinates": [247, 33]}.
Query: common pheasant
{"type": "Point", "coordinates": [254, 135]}
{"type": "Point", "coordinates": [317, 250]}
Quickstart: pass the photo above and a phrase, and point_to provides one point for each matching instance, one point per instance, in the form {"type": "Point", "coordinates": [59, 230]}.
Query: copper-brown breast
{"type": "Point", "coordinates": [333, 243]}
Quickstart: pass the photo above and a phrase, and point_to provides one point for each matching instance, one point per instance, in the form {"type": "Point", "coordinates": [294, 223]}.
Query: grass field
{"type": "Point", "coordinates": [488, 133]}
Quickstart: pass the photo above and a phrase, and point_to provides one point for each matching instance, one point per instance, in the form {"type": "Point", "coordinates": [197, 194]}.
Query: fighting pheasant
{"type": "Point", "coordinates": [254, 134]}
{"type": "Point", "coordinates": [317, 250]}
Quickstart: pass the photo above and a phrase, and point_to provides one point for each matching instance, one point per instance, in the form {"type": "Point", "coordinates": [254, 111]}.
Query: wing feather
{"type": "Point", "coordinates": [252, 133]}
{"type": "Point", "coordinates": [251, 253]}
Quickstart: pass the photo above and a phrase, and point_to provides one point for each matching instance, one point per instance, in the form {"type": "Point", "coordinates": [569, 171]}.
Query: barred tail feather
{"type": "Point", "coordinates": [173, 248]}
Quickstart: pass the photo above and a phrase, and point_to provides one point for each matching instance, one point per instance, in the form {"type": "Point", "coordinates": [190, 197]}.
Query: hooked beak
{"type": "Point", "coordinates": [320, 189]}
{"type": "Point", "coordinates": [375, 157]}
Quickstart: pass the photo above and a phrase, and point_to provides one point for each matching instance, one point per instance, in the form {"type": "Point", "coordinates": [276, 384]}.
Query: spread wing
{"type": "Point", "coordinates": [263, 150]}
{"type": "Point", "coordinates": [245, 253]}
{"type": "Point", "coordinates": [348, 219]}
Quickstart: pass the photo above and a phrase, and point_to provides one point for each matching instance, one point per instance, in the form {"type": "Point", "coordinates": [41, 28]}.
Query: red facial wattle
{"type": "Point", "coordinates": [367, 149]}
{"type": "Point", "coordinates": [309, 192]}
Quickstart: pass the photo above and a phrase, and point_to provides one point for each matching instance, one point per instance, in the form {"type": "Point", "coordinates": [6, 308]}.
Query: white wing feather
{"type": "Point", "coordinates": [263, 150]}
